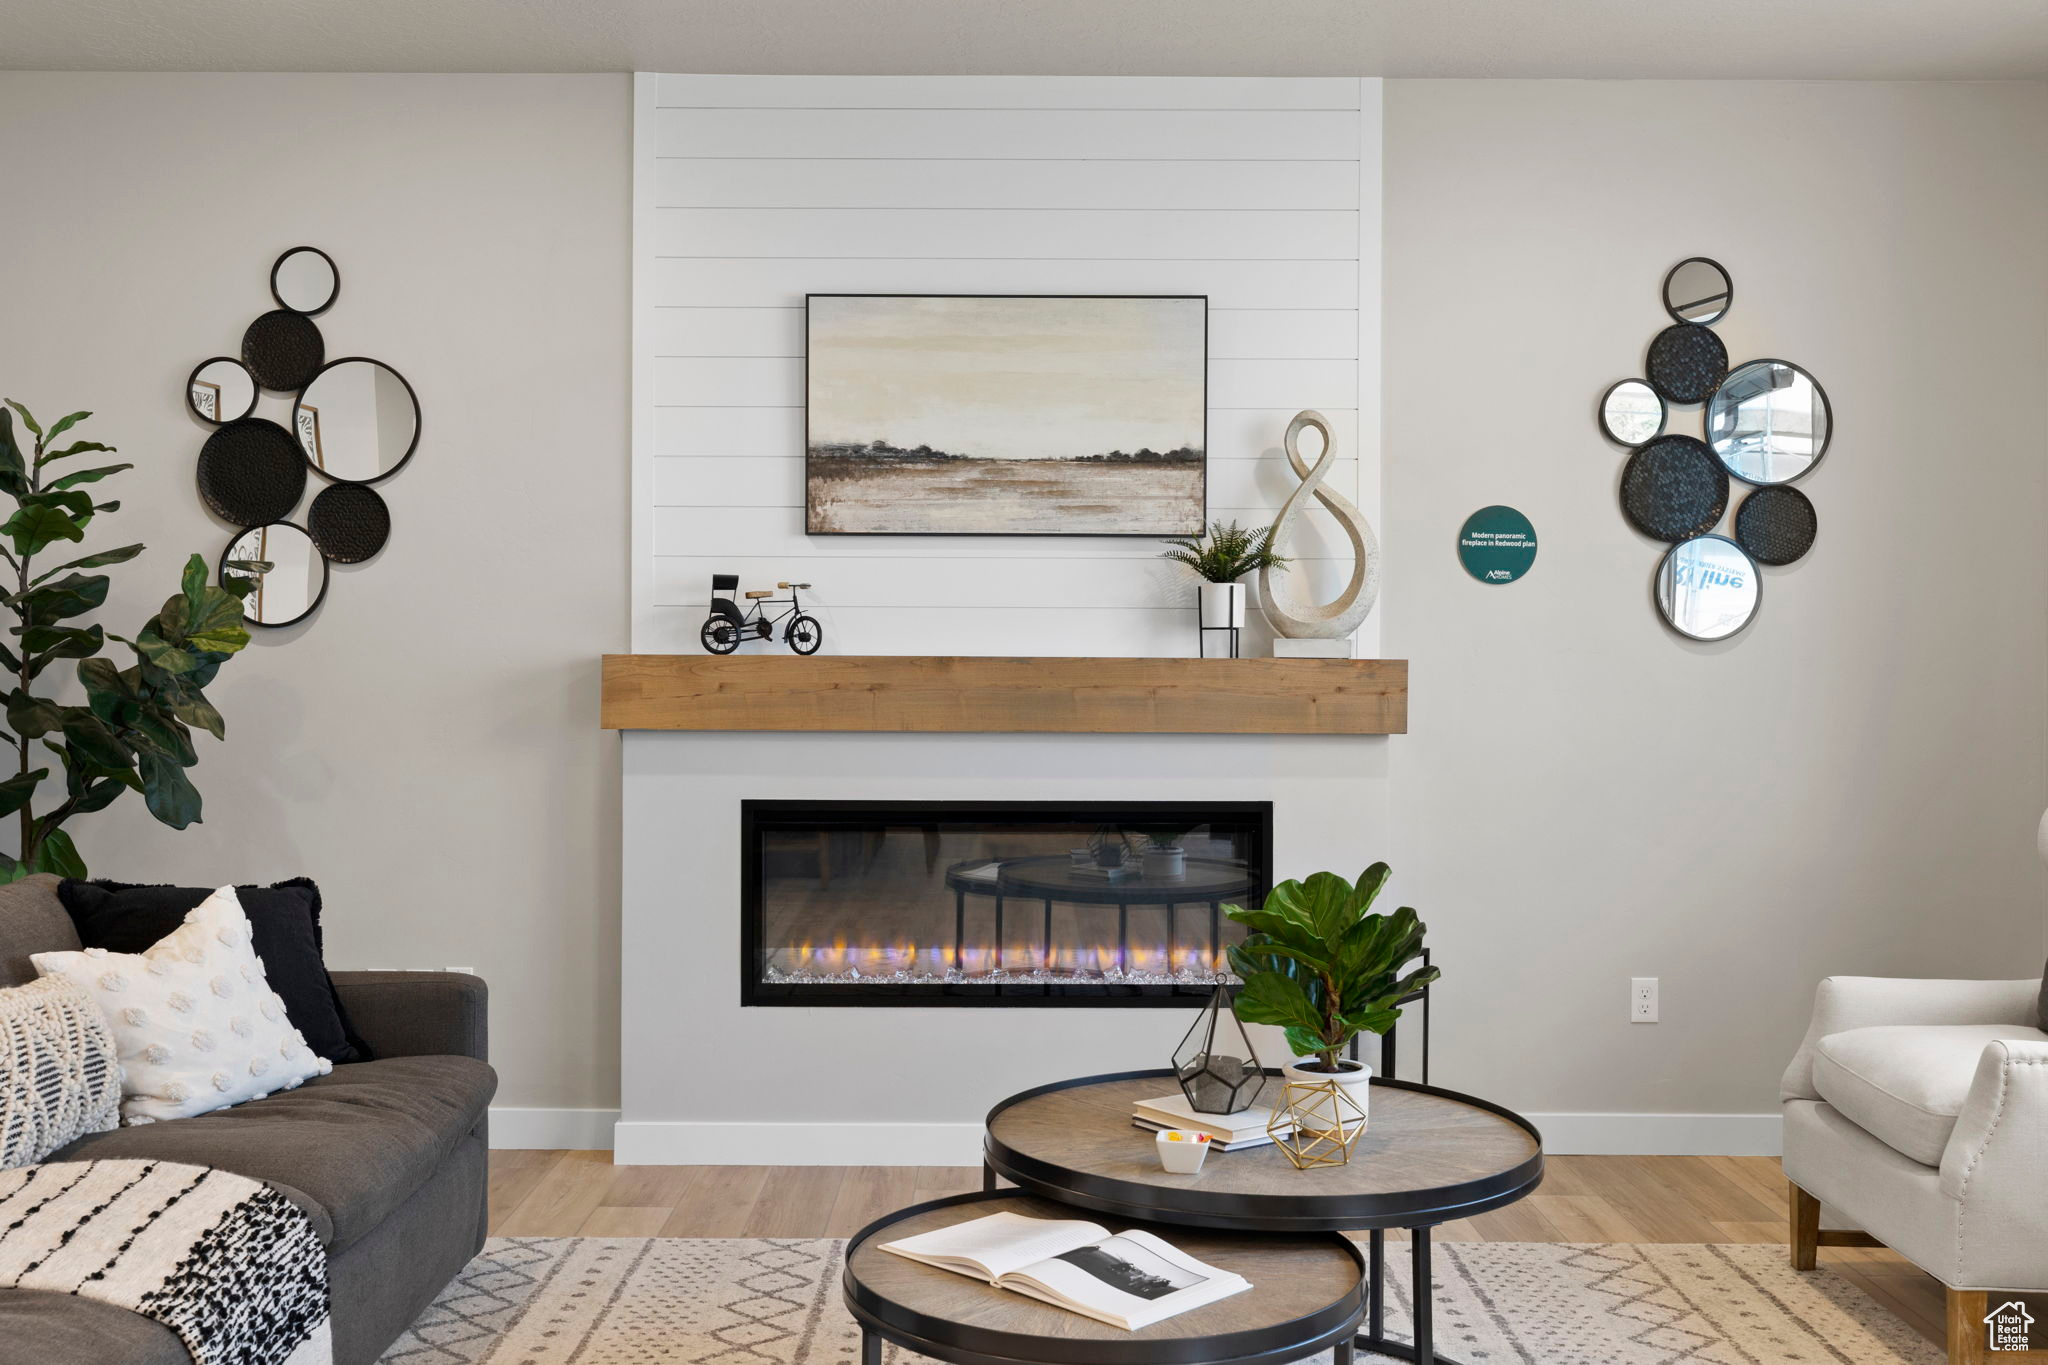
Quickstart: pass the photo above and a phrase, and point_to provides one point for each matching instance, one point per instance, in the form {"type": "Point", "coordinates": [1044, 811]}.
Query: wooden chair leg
{"type": "Point", "coordinates": [1804, 1237]}
{"type": "Point", "coordinates": [1968, 1338]}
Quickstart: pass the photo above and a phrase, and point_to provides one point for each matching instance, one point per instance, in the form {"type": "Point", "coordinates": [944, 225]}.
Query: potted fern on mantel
{"type": "Point", "coordinates": [135, 731]}
{"type": "Point", "coordinates": [1227, 554]}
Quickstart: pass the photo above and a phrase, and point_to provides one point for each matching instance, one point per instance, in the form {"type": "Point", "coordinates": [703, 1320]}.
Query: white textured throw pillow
{"type": "Point", "coordinates": [195, 1022]}
{"type": "Point", "coordinates": [58, 1077]}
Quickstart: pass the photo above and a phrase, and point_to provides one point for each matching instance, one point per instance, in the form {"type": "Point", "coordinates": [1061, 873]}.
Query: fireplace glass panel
{"type": "Point", "coordinates": [995, 903]}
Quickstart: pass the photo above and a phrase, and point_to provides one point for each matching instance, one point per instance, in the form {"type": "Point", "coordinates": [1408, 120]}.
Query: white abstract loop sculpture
{"type": "Point", "coordinates": [1332, 620]}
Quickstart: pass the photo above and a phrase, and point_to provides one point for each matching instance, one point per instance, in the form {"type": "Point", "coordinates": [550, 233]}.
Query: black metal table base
{"type": "Point", "coordinates": [1374, 1339]}
{"type": "Point", "coordinates": [1421, 1299]}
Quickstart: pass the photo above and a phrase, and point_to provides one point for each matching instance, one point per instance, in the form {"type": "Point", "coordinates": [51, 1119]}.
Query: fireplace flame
{"type": "Point", "coordinates": [907, 962]}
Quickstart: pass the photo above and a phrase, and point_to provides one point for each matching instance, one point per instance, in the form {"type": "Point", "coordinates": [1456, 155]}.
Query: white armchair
{"type": "Point", "coordinates": [1917, 1113]}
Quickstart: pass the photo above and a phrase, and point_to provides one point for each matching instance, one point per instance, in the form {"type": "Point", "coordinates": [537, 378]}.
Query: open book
{"type": "Point", "coordinates": [1129, 1280]}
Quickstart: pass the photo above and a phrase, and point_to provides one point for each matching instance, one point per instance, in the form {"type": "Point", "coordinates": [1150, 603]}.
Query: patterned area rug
{"type": "Point", "coordinates": [741, 1301]}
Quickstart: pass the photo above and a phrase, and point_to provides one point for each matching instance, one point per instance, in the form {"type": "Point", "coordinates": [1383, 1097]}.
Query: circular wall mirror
{"type": "Point", "coordinates": [305, 280]}
{"type": "Point", "coordinates": [1769, 422]}
{"type": "Point", "coordinates": [221, 390]}
{"type": "Point", "coordinates": [358, 421]}
{"type": "Point", "coordinates": [290, 573]}
{"type": "Point", "coordinates": [1707, 588]}
{"type": "Point", "coordinates": [1632, 413]}
{"type": "Point", "coordinates": [1698, 290]}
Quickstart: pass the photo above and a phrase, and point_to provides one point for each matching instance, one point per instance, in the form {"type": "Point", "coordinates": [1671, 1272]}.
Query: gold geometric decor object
{"type": "Point", "coordinates": [1326, 1124]}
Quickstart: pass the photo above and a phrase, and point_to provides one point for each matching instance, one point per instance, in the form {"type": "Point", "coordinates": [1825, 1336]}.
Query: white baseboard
{"type": "Point", "coordinates": [959, 1144]}
{"type": "Point", "coordinates": [581, 1130]}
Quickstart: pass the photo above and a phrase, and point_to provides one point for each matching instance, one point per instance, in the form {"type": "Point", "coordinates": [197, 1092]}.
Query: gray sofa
{"type": "Point", "coordinates": [387, 1157]}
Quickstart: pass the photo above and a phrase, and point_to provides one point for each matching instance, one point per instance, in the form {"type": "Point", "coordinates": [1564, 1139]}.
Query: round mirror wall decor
{"type": "Point", "coordinates": [354, 421]}
{"type": "Point", "coordinates": [1766, 422]}
{"type": "Point", "coordinates": [250, 472]}
{"type": "Point", "coordinates": [1769, 422]}
{"type": "Point", "coordinates": [1707, 588]}
{"type": "Point", "coordinates": [221, 390]}
{"type": "Point", "coordinates": [290, 573]}
{"type": "Point", "coordinates": [1698, 289]}
{"type": "Point", "coordinates": [1776, 525]}
{"type": "Point", "coordinates": [349, 522]}
{"type": "Point", "coordinates": [283, 350]}
{"type": "Point", "coordinates": [1686, 362]}
{"type": "Point", "coordinates": [1632, 413]}
{"type": "Point", "coordinates": [305, 280]}
{"type": "Point", "coordinates": [1673, 489]}
{"type": "Point", "coordinates": [358, 421]}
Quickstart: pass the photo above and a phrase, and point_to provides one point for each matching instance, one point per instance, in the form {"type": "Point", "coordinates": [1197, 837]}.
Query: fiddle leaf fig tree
{"type": "Point", "coordinates": [134, 732]}
{"type": "Point", "coordinates": [1323, 966]}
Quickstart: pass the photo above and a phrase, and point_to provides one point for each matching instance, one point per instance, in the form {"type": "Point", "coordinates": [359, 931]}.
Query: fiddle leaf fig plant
{"type": "Point", "coordinates": [1323, 966]}
{"type": "Point", "coordinates": [134, 732]}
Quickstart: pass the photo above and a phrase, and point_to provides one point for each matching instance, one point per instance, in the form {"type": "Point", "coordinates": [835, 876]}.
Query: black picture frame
{"type": "Point", "coordinates": [1088, 535]}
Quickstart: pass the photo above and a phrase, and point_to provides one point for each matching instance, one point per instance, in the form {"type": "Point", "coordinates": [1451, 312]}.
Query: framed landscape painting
{"type": "Point", "coordinates": [1006, 415]}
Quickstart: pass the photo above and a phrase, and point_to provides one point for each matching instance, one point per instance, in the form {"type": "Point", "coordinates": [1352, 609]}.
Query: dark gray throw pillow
{"type": "Point", "coordinates": [284, 929]}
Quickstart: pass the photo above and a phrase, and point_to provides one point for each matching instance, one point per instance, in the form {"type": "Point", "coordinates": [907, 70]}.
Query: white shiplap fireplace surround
{"type": "Point", "coordinates": [751, 192]}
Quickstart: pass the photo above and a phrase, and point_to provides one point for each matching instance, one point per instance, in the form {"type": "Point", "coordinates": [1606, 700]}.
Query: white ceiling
{"type": "Point", "coordinates": [1837, 39]}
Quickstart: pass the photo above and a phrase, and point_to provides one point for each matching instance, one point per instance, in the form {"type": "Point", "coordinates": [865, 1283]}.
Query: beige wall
{"type": "Point", "coordinates": [1850, 786]}
{"type": "Point", "coordinates": [427, 747]}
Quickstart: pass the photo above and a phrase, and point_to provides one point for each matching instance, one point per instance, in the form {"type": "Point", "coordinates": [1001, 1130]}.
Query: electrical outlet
{"type": "Point", "coordinates": [1642, 1000]}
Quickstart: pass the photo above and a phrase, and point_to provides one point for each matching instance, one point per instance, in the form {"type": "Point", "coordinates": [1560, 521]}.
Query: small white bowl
{"type": "Point", "coordinates": [1182, 1152]}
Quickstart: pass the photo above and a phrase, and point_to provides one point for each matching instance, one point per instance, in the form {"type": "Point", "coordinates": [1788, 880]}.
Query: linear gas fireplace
{"type": "Point", "coordinates": [994, 903]}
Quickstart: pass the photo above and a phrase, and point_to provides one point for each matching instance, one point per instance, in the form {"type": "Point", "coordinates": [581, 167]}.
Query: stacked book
{"type": "Point", "coordinates": [1228, 1132]}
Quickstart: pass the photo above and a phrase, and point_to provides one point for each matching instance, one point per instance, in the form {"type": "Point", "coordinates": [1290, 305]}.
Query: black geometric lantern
{"type": "Point", "coordinates": [1217, 1069]}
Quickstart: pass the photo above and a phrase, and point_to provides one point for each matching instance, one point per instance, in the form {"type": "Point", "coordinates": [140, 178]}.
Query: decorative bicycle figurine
{"type": "Point", "coordinates": [727, 625]}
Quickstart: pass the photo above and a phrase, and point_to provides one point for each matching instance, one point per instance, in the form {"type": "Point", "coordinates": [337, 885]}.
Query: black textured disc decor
{"type": "Point", "coordinates": [349, 522]}
{"type": "Point", "coordinates": [251, 472]}
{"type": "Point", "coordinates": [284, 350]}
{"type": "Point", "coordinates": [1776, 524]}
{"type": "Point", "coordinates": [1674, 489]}
{"type": "Point", "coordinates": [1687, 363]}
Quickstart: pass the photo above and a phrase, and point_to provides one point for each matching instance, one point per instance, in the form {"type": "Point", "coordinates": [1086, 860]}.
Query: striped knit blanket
{"type": "Point", "coordinates": [229, 1264]}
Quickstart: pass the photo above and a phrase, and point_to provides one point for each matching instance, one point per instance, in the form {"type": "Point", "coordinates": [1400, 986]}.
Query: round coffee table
{"type": "Point", "coordinates": [1427, 1156]}
{"type": "Point", "coordinates": [1305, 1297]}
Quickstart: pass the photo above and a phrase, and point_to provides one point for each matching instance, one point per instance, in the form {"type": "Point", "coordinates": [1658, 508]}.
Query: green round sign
{"type": "Point", "coordinates": [1497, 545]}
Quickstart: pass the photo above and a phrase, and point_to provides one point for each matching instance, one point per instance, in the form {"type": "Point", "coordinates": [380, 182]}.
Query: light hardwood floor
{"type": "Point", "coordinates": [1582, 1199]}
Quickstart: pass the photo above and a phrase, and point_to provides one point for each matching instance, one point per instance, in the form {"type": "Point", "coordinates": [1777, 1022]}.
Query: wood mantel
{"type": "Point", "coordinates": [896, 693]}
